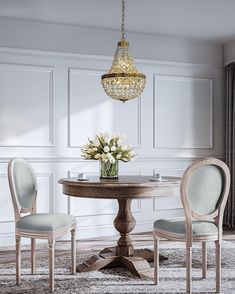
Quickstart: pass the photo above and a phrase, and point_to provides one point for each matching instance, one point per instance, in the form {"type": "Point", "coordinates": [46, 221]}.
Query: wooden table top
{"type": "Point", "coordinates": [124, 186]}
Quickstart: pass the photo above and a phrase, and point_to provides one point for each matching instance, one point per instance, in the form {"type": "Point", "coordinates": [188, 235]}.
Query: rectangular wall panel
{"type": "Point", "coordinates": [44, 197]}
{"type": "Point", "coordinates": [6, 206]}
{"type": "Point", "coordinates": [91, 111]}
{"type": "Point", "coordinates": [183, 113]}
{"type": "Point", "coordinates": [26, 105]}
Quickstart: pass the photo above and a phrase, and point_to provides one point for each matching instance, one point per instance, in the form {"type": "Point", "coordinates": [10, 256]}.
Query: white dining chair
{"type": "Point", "coordinates": [204, 192]}
{"type": "Point", "coordinates": [33, 225]}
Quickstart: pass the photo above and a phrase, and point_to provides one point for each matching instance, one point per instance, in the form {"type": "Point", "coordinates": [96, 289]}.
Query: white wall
{"type": "Point", "coordinates": [50, 102]}
{"type": "Point", "coordinates": [52, 37]}
{"type": "Point", "coordinates": [229, 52]}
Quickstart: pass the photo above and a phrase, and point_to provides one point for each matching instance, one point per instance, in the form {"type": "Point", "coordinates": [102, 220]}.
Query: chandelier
{"type": "Point", "coordinates": [123, 81]}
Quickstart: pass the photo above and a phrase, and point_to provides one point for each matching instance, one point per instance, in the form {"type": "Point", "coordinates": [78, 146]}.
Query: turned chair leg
{"type": "Point", "coordinates": [18, 260]}
{"type": "Point", "coordinates": [188, 270]}
{"type": "Point", "coordinates": [33, 247]}
{"type": "Point", "coordinates": [73, 250]}
{"type": "Point", "coordinates": [51, 243]}
{"type": "Point", "coordinates": [218, 265]}
{"type": "Point", "coordinates": [156, 260]}
{"type": "Point", "coordinates": [204, 260]}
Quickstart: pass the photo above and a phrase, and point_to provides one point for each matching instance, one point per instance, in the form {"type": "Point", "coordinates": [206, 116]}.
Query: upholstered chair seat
{"type": "Point", "coordinates": [45, 222]}
{"type": "Point", "coordinates": [199, 228]}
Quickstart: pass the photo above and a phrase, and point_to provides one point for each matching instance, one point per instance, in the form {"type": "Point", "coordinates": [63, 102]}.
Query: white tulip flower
{"type": "Point", "coordinates": [119, 142]}
{"type": "Point", "coordinates": [119, 156]}
{"type": "Point", "coordinates": [107, 140]}
{"type": "Point", "coordinates": [106, 149]}
{"type": "Point", "coordinates": [87, 156]}
{"type": "Point", "coordinates": [97, 156]}
{"type": "Point", "coordinates": [124, 147]}
{"type": "Point", "coordinates": [111, 160]}
{"type": "Point", "coordinates": [113, 148]}
{"type": "Point", "coordinates": [132, 153]}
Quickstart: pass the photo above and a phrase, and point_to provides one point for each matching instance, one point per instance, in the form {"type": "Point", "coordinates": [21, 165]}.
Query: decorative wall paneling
{"type": "Point", "coordinates": [55, 101]}
{"type": "Point", "coordinates": [189, 104]}
{"type": "Point", "coordinates": [26, 98]}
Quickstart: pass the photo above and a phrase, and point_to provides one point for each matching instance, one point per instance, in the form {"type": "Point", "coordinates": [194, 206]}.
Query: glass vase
{"type": "Point", "coordinates": [108, 170]}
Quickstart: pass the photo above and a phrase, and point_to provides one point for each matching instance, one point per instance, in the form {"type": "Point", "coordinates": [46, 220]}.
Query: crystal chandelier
{"type": "Point", "coordinates": [123, 81]}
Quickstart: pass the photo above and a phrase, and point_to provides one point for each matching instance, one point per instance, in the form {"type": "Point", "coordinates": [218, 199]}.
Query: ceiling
{"type": "Point", "coordinates": [211, 20]}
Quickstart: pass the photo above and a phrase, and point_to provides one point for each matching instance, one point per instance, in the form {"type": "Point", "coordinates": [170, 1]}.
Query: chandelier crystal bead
{"type": "Point", "coordinates": [123, 81]}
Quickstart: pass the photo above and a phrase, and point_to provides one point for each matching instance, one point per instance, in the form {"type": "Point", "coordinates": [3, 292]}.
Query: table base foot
{"type": "Point", "coordinates": [137, 264]}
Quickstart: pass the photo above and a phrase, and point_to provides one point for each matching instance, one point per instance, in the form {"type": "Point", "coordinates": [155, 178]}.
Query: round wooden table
{"type": "Point", "coordinates": [124, 189]}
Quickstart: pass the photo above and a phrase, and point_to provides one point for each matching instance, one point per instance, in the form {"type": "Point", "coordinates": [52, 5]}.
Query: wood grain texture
{"type": "Point", "coordinates": [137, 263]}
{"type": "Point", "coordinates": [125, 186]}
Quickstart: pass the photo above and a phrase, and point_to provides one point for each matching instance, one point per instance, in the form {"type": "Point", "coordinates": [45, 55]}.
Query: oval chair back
{"type": "Point", "coordinates": [23, 187]}
{"type": "Point", "coordinates": [204, 191]}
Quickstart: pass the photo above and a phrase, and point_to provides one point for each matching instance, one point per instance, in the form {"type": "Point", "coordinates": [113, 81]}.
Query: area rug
{"type": "Point", "coordinates": [119, 280]}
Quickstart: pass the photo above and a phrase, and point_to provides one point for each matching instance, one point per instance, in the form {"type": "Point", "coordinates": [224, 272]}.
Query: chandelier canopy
{"type": "Point", "coordinates": [123, 81]}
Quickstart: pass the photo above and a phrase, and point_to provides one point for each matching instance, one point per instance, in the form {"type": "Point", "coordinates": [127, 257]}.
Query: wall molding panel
{"type": "Point", "coordinates": [50, 102]}
{"type": "Point", "coordinates": [23, 88]}
{"type": "Point", "coordinates": [188, 101]}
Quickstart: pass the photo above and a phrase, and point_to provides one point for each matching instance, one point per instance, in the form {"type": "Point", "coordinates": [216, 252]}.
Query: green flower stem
{"type": "Point", "coordinates": [108, 170]}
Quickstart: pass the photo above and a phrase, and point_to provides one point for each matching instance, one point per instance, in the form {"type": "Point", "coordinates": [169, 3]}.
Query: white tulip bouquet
{"type": "Point", "coordinates": [108, 149]}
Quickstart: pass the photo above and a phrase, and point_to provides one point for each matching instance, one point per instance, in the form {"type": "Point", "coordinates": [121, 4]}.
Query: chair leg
{"type": "Point", "coordinates": [73, 250]}
{"type": "Point", "coordinates": [51, 242]}
{"type": "Point", "coordinates": [156, 260]}
{"type": "Point", "coordinates": [188, 270]}
{"type": "Point", "coordinates": [204, 260]}
{"type": "Point", "coordinates": [33, 247]}
{"type": "Point", "coordinates": [18, 260]}
{"type": "Point", "coordinates": [218, 265]}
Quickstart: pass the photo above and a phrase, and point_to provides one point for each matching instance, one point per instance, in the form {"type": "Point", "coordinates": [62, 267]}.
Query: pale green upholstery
{"type": "Point", "coordinates": [45, 222]}
{"type": "Point", "coordinates": [178, 227]}
{"type": "Point", "coordinates": [24, 183]}
{"type": "Point", "coordinates": [204, 189]}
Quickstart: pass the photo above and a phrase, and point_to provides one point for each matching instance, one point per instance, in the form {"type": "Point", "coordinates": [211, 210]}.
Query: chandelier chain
{"type": "Point", "coordinates": [123, 81]}
{"type": "Point", "coordinates": [123, 20]}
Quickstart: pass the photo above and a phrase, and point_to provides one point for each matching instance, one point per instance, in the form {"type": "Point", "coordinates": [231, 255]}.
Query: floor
{"type": "Point", "coordinates": [141, 240]}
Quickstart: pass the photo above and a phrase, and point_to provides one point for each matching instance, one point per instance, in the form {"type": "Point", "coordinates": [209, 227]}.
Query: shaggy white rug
{"type": "Point", "coordinates": [119, 280]}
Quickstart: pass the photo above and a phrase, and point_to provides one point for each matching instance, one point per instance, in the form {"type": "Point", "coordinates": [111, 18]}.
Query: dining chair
{"type": "Point", "coordinates": [33, 225]}
{"type": "Point", "coordinates": [204, 191]}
